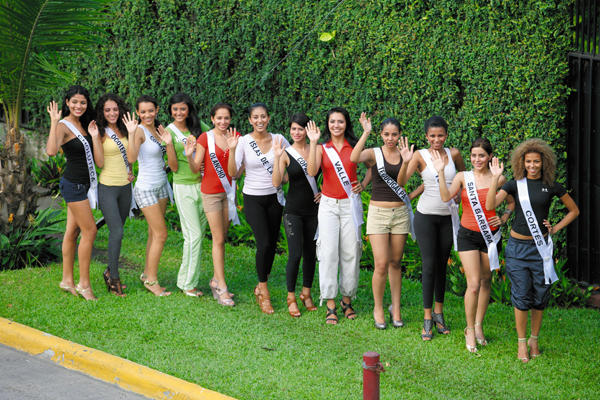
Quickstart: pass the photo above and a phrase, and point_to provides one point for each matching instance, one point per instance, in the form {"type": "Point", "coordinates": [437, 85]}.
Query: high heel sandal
{"type": "Point", "coordinates": [220, 294]}
{"type": "Point", "coordinates": [296, 313]}
{"type": "Point", "coordinates": [264, 302]}
{"type": "Point", "coordinates": [440, 324]}
{"type": "Point", "coordinates": [533, 355]}
{"type": "Point", "coordinates": [106, 276]}
{"type": "Point", "coordinates": [526, 358]}
{"type": "Point", "coordinates": [428, 328]}
{"type": "Point", "coordinates": [86, 293]}
{"type": "Point", "coordinates": [480, 340]}
{"type": "Point", "coordinates": [395, 323]}
{"type": "Point", "coordinates": [348, 310]}
{"type": "Point", "coordinates": [68, 288]}
{"type": "Point", "coordinates": [305, 299]}
{"type": "Point", "coordinates": [148, 284]}
{"type": "Point", "coordinates": [470, 349]}
{"type": "Point", "coordinates": [113, 286]}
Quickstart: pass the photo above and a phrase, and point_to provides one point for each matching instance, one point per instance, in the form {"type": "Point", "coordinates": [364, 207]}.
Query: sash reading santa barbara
{"type": "Point", "coordinates": [484, 227]}
{"type": "Point", "coordinates": [268, 166]}
{"type": "Point", "coordinates": [355, 202]}
{"type": "Point", "coordinates": [399, 190]}
{"type": "Point", "coordinates": [544, 248]}
{"type": "Point", "coordinates": [229, 188]}
{"type": "Point", "coordinates": [92, 193]}
{"type": "Point", "coordinates": [451, 204]}
{"type": "Point", "coordinates": [123, 152]}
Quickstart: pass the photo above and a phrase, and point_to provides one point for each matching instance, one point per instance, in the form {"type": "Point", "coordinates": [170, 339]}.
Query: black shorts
{"type": "Point", "coordinates": [468, 240]}
{"type": "Point", "coordinates": [72, 192]}
{"type": "Point", "coordinates": [525, 269]}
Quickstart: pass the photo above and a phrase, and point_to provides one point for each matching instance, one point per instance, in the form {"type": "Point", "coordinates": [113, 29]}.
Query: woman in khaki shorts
{"type": "Point", "coordinates": [388, 221]}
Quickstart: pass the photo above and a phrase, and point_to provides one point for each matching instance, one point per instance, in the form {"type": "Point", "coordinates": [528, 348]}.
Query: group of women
{"type": "Point", "coordinates": [320, 223]}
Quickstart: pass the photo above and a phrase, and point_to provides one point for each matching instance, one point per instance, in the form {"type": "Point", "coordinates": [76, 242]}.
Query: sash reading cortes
{"type": "Point", "coordinates": [92, 193]}
{"type": "Point", "coordinates": [311, 179]}
{"type": "Point", "coordinates": [265, 163]}
{"type": "Point", "coordinates": [452, 206]}
{"type": "Point", "coordinates": [355, 201]}
{"type": "Point", "coordinates": [544, 248]}
{"type": "Point", "coordinates": [490, 239]}
{"type": "Point", "coordinates": [229, 188]}
{"type": "Point", "coordinates": [123, 152]}
{"type": "Point", "coordinates": [399, 190]}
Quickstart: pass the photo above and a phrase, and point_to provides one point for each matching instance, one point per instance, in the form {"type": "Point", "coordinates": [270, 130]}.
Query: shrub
{"type": "Point", "coordinates": [47, 173]}
{"type": "Point", "coordinates": [33, 245]}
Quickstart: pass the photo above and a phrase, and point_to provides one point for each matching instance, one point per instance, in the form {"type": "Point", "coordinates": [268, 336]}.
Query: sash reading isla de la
{"type": "Point", "coordinates": [229, 188]}
{"type": "Point", "coordinates": [484, 227]}
{"type": "Point", "coordinates": [311, 179]}
{"type": "Point", "coordinates": [399, 190]}
{"type": "Point", "coordinates": [123, 152]}
{"type": "Point", "coordinates": [163, 149]}
{"type": "Point", "coordinates": [452, 206]}
{"type": "Point", "coordinates": [92, 193]}
{"type": "Point", "coordinates": [268, 166]}
{"type": "Point", "coordinates": [355, 201]}
{"type": "Point", "coordinates": [544, 248]}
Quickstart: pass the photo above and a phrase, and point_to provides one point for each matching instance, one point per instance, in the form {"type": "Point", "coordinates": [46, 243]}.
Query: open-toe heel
{"type": "Point", "coordinates": [264, 302]}
{"type": "Point", "coordinates": [308, 302]}
{"type": "Point", "coordinates": [428, 330]}
{"type": "Point", "coordinates": [470, 348]}
{"type": "Point", "coordinates": [86, 293]}
{"type": "Point", "coordinates": [531, 353]}
{"type": "Point", "coordinates": [294, 313]}
{"type": "Point", "coordinates": [480, 340]}
{"type": "Point", "coordinates": [68, 288]}
{"type": "Point", "coordinates": [440, 324]}
{"type": "Point", "coordinates": [222, 295]}
{"type": "Point", "coordinates": [526, 358]}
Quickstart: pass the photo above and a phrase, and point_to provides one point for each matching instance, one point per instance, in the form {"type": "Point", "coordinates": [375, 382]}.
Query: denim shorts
{"type": "Point", "coordinates": [72, 192]}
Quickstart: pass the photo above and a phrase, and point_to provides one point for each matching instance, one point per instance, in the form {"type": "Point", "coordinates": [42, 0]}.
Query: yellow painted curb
{"type": "Point", "coordinates": [126, 374]}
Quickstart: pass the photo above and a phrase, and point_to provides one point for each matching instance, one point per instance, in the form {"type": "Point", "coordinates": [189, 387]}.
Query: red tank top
{"type": "Point", "coordinates": [468, 218]}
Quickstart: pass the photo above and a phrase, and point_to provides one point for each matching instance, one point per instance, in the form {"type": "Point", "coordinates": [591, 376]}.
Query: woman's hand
{"type": "Point", "coordinates": [438, 161]}
{"type": "Point", "coordinates": [93, 129]}
{"type": "Point", "coordinates": [356, 187]}
{"type": "Point", "coordinates": [317, 198]}
{"type": "Point", "coordinates": [496, 167]}
{"type": "Point", "coordinates": [164, 135]}
{"type": "Point", "coordinates": [55, 113]}
{"type": "Point", "coordinates": [130, 177]}
{"type": "Point", "coordinates": [130, 123]}
{"type": "Point", "coordinates": [278, 146]}
{"type": "Point", "coordinates": [549, 226]}
{"type": "Point", "coordinates": [190, 145]}
{"type": "Point", "coordinates": [365, 122]}
{"type": "Point", "coordinates": [313, 132]}
{"type": "Point", "coordinates": [232, 138]}
{"type": "Point", "coordinates": [405, 152]}
{"type": "Point", "coordinates": [495, 221]}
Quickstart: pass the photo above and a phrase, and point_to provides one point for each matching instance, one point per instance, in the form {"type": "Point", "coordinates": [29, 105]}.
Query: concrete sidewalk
{"type": "Point", "coordinates": [115, 371]}
{"type": "Point", "coordinates": [27, 377]}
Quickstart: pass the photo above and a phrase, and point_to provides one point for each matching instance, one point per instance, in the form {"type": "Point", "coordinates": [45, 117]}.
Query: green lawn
{"type": "Point", "coordinates": [248, 355]}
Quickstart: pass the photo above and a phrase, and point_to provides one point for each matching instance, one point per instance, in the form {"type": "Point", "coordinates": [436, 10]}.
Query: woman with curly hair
{"type": "Point", "coordinates": [528, 254]}
{"type": "Point", "coordinates": [114, 188]}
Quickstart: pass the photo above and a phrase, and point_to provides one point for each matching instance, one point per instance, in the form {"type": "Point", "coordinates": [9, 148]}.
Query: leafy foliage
{"type": "Point", "coordinates": [33, 245]}
{"type": "Point", "coordinates": [47, 173]}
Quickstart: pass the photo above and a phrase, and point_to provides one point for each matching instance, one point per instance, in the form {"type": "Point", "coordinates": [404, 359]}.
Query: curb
{"type": "Point", "coordinates": [106, 367]}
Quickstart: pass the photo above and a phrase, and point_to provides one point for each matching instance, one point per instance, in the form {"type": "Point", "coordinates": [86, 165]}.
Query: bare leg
{"type": "Point", "coordinates": [521, 325]}
{"type": "Point", "coordinates": [536, 325]}
{"type": "Point", "coordinates": [381, 252]}
{"type": "Point", "coordinates": [69, 245]}
{"type": "Point", "coordinates": [471, 264]}
{"type": "Point", "coordinates": [219, 223]}
{"type": "Point", "coordinates": [397, 243]}
{"type": "Point", "coordinates": [484, 297]}
{"type": "Point", "coordinates": [157, 236]}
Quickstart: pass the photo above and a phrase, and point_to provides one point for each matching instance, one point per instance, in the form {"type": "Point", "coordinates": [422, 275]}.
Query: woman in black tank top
{"type": "Point", "coordinates": [388, 220]}
{"type": "Point", "coordinates": [77, 110]}
{"type": "Point", "coordinates": [300, 214]}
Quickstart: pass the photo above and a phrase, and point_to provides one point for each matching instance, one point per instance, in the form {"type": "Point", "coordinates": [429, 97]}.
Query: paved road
{"type": "Point", "coordinates": [26, 377]}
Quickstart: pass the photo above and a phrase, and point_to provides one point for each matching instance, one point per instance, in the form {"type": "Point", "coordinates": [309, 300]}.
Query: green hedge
{"type": "Point", "coordinates": [491, 68]}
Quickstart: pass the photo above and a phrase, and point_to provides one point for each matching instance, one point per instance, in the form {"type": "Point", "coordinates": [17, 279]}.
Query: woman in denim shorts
{"type": "Point", "coordinates": [77, 110]}
{"type": "Point", "coordinates": [534, 167]}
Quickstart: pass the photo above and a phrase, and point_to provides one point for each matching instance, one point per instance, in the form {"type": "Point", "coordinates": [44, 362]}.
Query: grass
{"type": "Point", "coordinates": [248, 355]}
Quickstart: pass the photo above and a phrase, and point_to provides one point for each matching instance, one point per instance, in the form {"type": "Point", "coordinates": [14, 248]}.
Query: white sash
{"type": "Point", "coordinates": [311, 179]}
{"type": "Point", "coordinates": [92, 193]}
{"type": "Point", "coordinates": [268, 166]}
{"type": "Point", "coordinates": [452, 206]}
{"type": "Point", "coordinates": [399, 190]}
{"type": "Point", "coordinates": [355, 201]}
{"type": "Point", "coordinates": [123, 151]}
{"type": "Point", "coordinates": [179, 135]}
{"type": "Point", "coordinates": [229, 188]}
{"type": "Point", "coordinates": [544, 248]}
{"type": "Point", "coordinates": [164, 151]}
{"type": "Point", "coordinates": [484, 227]}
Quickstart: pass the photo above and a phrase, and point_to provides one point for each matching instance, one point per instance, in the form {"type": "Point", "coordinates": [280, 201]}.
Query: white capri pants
{"type": "Point", "coordinates": [337, 246]}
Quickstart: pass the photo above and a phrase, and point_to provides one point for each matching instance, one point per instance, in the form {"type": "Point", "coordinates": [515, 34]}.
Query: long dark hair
{"type": "Point", "coordinates": [147, 99]}
{"type": "Point", "coordinates": [348, 133]}
{"type": "Point", "coordinates": [102, 122]}
{"type": "Point", "coordinates": [192, 121]}
{"type": "Point", "coordinates": [88, 115]}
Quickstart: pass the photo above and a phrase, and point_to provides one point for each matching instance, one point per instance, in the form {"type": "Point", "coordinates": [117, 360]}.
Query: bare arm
{"type": "Point", "coordinates": [315, 154]}
{"type": "Point", "coordinates": [136, 137]}
{"type": "Point", "coordinates": [459, 162]}
{"type": "Point", "coordinates": [567, 219]}
{"type": "Point", "coordinates": [279, 164]}
{"type": "Point", "coordinates": [410, 165]}
{"type": "Point", "coordinates": [97, 141]}
{"type": "Point", "coordinates": [494, 198]}
{"type": "Point", "coordinates": [192, 150]}
{"type": "Point", "coordinates": [167, 138]}
{"type": "Point", "coordinates": [417, 192]}
{"type": "Point", "coordinates": [232, 143]}
{"type": "Point", "coordinates": [57, 134]}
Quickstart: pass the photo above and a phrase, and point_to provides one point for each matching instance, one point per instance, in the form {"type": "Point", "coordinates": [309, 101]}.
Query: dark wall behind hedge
{"type": "Point", "coordinates": [491, 68]}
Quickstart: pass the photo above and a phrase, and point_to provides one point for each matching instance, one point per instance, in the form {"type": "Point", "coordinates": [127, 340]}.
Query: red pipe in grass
{"type": "Point", "coordinates": [371, 370]}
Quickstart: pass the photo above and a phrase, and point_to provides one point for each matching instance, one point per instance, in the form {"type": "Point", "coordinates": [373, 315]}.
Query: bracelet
{"type": "Point", "coordinates": [507, 212]}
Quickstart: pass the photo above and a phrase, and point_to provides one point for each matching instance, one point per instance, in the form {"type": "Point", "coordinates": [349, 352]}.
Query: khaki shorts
{"type": "Point", "coordinates": [214, 202]}
{"type": "Point", "coordinates": [382, 220]}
